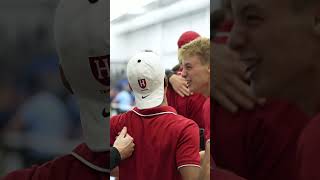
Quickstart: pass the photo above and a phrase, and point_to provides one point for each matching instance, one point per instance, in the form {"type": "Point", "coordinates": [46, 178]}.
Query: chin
{"type": "Point", "coordinates": [264, 90]}
{"type": "Point", "coordinates": [192, 89]}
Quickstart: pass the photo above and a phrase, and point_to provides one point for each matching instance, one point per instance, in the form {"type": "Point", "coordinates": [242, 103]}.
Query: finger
{"type": "Point", "coordinates": [123, 132]}
{"type": "Point", "coordinates": [180, 93]}
{"type": "Point", "coordinates": [244, 89]}
{"type": "Point", "coordinates": [247, 91]}
{"type": "Point", "coordinates": [225, 101]}
{"type": "Point", "coordinates": [185, 83]}
{"type": "Point", "coordinates": [238, 98]}
{"type": "Point", "coordinates": [130, 138]}
{"type": "Point", "coordinates": [185, 91]}
{"type": "Point", "coordinates": [240, 70]}
{"type": "Point", "coordinates": [239, 67]}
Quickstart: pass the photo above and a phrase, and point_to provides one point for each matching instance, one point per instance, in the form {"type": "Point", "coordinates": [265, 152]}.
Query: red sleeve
{"type": "Point", "coordinates": [33, 173]}
{"type": "Point", "coordinates": [64, 168]}
{"type": "Point", "coordinates": [113, 127]}
{"type": "Point", "coordinates": [188, 146]}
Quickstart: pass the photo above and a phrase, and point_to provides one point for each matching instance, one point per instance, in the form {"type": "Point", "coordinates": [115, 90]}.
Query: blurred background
{"type": "Point", "coordinates": [156, 25]}
{"type": "Point", "coordinates": [39, 120]}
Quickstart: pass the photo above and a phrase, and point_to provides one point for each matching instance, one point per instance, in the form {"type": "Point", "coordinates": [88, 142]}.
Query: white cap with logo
{"type": "Point", "coordinates": [146, 78]}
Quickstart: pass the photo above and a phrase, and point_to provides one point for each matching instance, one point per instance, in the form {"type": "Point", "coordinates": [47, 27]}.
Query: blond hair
{"type": "Point", "coordinates": [198, 47]}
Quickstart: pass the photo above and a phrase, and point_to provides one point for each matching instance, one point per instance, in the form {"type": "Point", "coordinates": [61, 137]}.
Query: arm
{"type": "Point", "coordinates": [123, 148]}
{"type": "Point", "coordinates": [115, 157]}
{"type": "Point", "coordinates": [115, 172]}
{"type": "Point", "coordinates": [189, 172]}
{"type": "Point", "coordinates": [179, 85]}
{"type": "Point", "coordinates": [187, 154]}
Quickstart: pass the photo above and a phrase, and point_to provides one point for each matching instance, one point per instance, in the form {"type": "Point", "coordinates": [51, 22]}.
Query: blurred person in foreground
{"type": "Point", "coordinates": [266, 45]}
{"type": "Point", "coordinates": [84, 71]}
{"type": "Point", "coordinates": [266, 145]}
{"type": "Point", "coordinates": [283, 56]}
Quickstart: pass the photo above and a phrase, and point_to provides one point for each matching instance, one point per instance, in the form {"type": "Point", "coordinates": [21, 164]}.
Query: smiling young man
{"type": "Point", "coordinates": [195, 57]}
{"type": "Point", "coordinates": [196, 70]}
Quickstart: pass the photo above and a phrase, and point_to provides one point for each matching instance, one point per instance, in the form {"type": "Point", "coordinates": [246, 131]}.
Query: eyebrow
{"type": "Point", "coordinates": [186, 64]}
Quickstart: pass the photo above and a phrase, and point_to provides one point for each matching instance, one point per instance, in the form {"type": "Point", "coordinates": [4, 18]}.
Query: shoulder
{"type": "Point", "coordinates": [120, 118]}
{"type": "Point", "coordinates": [183, 122]}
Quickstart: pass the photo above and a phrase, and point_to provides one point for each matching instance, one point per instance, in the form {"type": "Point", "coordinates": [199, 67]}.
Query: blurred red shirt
{"type": "Point", "coordinates": [81, 164]}
{"type": "Point", "coordinates": [259, 144]}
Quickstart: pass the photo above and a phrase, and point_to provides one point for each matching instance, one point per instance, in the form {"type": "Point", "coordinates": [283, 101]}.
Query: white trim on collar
{"type": "Point", "coordinates": [84, 161]}
{"type": "Point", "coordinates": [155, 114]}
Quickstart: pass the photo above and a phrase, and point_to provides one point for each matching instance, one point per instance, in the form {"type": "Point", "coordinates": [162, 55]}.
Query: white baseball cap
{"type": "Point", "coordinates": [146, 78]}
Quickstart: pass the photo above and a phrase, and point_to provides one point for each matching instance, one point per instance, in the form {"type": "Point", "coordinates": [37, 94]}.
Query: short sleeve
{"type": "Point", "coordinates": [187, 153]}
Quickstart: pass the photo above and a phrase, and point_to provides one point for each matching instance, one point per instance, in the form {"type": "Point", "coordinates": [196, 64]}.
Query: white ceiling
{"type": "Point", "coordinates": [120, 9]}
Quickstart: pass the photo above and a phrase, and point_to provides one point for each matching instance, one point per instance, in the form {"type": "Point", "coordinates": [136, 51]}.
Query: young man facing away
{"type": "Point", "coordinates": [167, 144]}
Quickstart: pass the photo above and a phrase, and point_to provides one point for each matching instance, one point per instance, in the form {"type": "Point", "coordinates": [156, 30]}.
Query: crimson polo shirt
{"type": "Point", "coordinates": [188, 106]}
{"type": "Point", "coordinates": [259, 144]}
{"type": "Point", "coordinates": [164, 142]}
{"type": "Point", "coordinates": [81, 164]}
{"type": "Point", "coordinates": [309, 151]}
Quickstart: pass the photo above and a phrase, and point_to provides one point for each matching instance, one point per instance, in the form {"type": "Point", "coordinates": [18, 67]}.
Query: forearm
{"type": "Point", "coordinates": [115, 157]}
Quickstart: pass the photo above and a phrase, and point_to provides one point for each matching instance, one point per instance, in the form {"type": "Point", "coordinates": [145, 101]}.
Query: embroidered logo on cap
{"type": "Point", "coordinates": [142, 83]}
{"type": "Point", "coordinates": [100, 67]}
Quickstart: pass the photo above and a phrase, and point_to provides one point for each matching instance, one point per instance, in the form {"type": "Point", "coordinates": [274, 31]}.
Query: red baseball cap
{"type": "Point", "coordinates": [187, 37]}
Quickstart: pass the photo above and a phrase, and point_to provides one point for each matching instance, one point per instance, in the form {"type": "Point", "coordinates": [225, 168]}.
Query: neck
{"type": "Point", "coordinates": [206, 90]}
{"type": "Point", "coordinates": [309, 103]}
{"type": "Point", "coordinates": [164, 102]}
